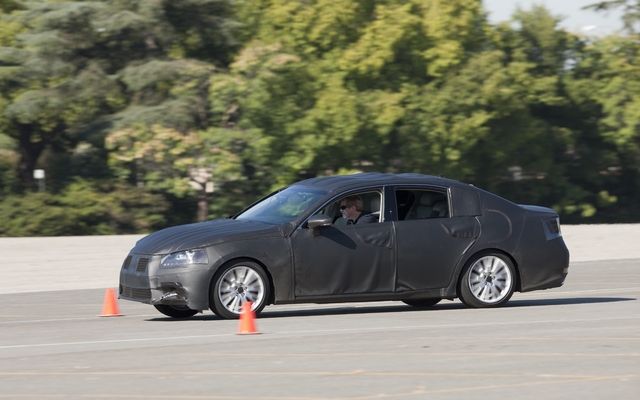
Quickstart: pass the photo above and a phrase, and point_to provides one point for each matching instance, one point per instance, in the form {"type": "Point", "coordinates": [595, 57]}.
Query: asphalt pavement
{"type": "Point", "coordinates": [580, 341]}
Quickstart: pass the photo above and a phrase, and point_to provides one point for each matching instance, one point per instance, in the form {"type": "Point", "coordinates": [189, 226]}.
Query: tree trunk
{"type": "Point", "coordinates": [203, 205]}
{"type": "Point", "coordinates": [29, 154]}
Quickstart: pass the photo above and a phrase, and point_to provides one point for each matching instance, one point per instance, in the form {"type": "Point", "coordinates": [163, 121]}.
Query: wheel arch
{"type": "Point", "coordinates": [234, 260]}
{"type": "Point", "coordinates": [518, 283]}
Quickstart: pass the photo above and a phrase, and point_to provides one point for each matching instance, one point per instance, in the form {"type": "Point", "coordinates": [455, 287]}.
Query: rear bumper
{"type": "Point", "coordinates": [547, 268]}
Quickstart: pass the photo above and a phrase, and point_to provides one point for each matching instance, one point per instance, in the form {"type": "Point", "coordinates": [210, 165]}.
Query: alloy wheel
{"type": "Point", "coordinates": [238, 285]}
{"type": "Point", "coordinates": [490, 279]}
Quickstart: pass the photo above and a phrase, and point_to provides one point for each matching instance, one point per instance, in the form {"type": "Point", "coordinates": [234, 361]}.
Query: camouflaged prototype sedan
{"type": "Point", "coordinates": [427, 239]}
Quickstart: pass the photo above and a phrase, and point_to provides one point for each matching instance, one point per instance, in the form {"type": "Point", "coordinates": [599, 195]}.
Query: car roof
{"type": "Point", "coordinates": [332, 183]}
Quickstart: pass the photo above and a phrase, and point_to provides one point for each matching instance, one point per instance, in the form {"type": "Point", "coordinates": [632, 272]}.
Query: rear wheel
{"type": "Point", "coordinates": [176, 311]}
{"type": "Point", "coordinates": [422, 303]}
{"type": "Point", "coordinates": [487, 281]}
{"type": "Point", "coordinates": [237, 284]}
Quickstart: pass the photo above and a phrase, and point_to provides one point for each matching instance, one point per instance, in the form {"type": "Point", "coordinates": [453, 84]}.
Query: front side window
{"type": "Point", "coordinates": [283, 206]}
{"type": "Point", "coordinates": [355, 208]}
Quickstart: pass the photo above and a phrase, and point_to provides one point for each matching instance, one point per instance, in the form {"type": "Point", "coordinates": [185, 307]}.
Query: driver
{"type": "Point", "coordinates": [352, 210]}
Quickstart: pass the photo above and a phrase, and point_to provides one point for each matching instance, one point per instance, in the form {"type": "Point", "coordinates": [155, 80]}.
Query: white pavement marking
{"type": "Point", "coordinates": [325, 331]}
{"type": "Point", "coordinates": [560, 293]}
{"type": "Point", "coordinates": [30, 321]}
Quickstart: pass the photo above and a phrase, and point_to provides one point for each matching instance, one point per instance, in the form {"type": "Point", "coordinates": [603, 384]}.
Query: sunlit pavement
{"type": "Point", "coordinates": [578, 341]}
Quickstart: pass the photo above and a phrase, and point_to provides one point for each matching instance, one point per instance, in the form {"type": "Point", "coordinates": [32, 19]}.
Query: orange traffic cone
{"type": "Point", "coordinates": [110, 308]}
{"type": "Point", "coordinates": [247, 324]}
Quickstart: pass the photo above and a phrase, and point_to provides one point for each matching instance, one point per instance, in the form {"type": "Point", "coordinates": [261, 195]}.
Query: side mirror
{"type": "Point", "coordinates": [319, 220]}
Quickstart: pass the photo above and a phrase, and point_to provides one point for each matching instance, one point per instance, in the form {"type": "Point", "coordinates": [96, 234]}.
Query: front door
{"type": "Point", "coordinates": [345, 259]}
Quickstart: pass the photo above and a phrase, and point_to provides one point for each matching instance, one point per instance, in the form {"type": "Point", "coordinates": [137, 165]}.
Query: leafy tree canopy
{"type": "Point", "coordinates": [205, 105]}
{"type": "Point", "coordinates": [71, 69]}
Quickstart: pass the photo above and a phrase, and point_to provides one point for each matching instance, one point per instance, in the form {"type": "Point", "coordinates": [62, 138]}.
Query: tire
{"type": "Point", "coordinates": [422, 303]}
{"type": "Point", "coordinates": [488, 280]}
{"type": "Point", "coordinates": [176, 311]}
{"type": "Point", "coordinates": [236, 284]}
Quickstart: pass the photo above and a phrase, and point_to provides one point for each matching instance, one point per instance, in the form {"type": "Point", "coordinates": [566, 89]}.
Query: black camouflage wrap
{"type": "Point", "coordinates": [391, 260]}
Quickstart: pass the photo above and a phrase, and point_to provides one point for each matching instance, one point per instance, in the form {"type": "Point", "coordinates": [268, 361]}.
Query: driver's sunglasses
{"type": "Point", "coordinates": [343, 207]}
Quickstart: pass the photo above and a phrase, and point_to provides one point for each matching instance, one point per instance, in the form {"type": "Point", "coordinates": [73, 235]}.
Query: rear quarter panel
{"type": "Point", "coordinates": [542, 262]}
{"type": "Point", "coordinates": [501, 224]}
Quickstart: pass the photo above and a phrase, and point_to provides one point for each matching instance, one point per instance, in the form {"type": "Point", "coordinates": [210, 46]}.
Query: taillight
{"type": "Point", "coordinates": [552, 228]}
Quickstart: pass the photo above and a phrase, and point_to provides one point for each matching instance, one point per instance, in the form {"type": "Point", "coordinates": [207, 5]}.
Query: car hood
{"type": "Point", "coordinates": [203, 234]}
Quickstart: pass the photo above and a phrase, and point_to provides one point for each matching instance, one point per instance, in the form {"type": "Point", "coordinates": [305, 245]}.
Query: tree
{"type": "Point", "coordinates": [83, 208]}
{"type": "Point", "coordinates": [324, 83]}
{"type": "Point", "coordinates": [630, 16]}
{"type": "Point", "coordinates": [8, 161]}
{"type": "Point", "coordinates": [546, 148]}
{"type": "Point", "coordinates": [164, 160]}
{"type": "Point", "coordinates": [72, 70]}
{"type": "Point", "coordinates": [608, 77]}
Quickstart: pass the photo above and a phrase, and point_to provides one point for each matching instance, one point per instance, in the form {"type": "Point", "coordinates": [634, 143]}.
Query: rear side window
{"type": "Point", "coordinates": [466, 202]}
{"type": "Point", "coordinates": [421, 204]}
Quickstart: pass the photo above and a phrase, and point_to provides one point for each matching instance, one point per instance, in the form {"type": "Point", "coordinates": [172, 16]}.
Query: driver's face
{"type": "Point", "coordinates": [347, 212]}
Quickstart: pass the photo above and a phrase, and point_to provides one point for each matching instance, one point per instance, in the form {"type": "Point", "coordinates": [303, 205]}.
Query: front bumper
{"type": "Point", "coordinates": [142, 280]}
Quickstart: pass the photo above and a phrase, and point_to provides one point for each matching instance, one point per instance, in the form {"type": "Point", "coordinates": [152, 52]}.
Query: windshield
{"type": "Point", "coordinates": [283, 206]}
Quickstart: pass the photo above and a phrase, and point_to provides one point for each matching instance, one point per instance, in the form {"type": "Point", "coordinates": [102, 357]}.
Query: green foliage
{"type": "Point", "coordinates": [326, 90]}
{"type": "Point", "coordinates": [82, 208]}
{"type": "Point", "coordinates": [630, 9]}
{"type": "Point", "coordinates": [418, 86]}
{"type": "Point", "coordinates": [8, 161]}
{"type": "Point", "coordinates": [166, 161]}
{"type": "Point", "coordinates": [169, 100]}
{"type": "Point", "coordinates": [71, 71]}
{"type": "Point", "coordinates": [7, 6]}
{"type": "Point", "coordinates": [607, 76]}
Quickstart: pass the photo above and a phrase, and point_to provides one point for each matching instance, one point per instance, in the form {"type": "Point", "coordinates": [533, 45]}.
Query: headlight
{"type": "Point", "coordinates": [198, 256]}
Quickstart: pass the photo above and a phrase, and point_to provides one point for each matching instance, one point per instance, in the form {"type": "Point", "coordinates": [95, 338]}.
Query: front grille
{"type": "Point", "coordinates": [127, 262]}
{"type": "Point", "coordinates": [142, 264]}
{"type": "Point", "coordinates": [135, 294]}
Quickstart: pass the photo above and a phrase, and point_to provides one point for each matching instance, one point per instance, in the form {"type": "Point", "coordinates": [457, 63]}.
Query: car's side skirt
{"type": "Point", "coordinates": [396, 296]}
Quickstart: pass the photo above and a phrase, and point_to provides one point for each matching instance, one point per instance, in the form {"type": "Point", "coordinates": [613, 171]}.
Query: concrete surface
{"type": "Point", "coordinates": [602, 242]}
{"type": "Point", "coordinates": [91, 262]}
{"type": "Point", "coordinates": [580, 341]}
{"type": "Point", "coordinates": [63, 263]}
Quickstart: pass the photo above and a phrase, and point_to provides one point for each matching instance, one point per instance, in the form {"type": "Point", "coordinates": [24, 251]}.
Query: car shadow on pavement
{"type": "Point", "coordinates": [566, 301]}
{"type": "Point", "coordinates": [394, 307]}
{"type": "Point", "coordinates": [443, 306]}
{"type": "Point", "coordinates": [273, 312]}
{"type": "Point", "coordinates": [347, 310]}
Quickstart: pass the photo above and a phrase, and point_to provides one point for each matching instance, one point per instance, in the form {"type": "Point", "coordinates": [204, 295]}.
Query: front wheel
{"type": "Point", "coordinates": [487, 281]}
{"type": "Point", "coordinates": [236, 284]}
{"type": "Point", "coordinates": [176, 311]}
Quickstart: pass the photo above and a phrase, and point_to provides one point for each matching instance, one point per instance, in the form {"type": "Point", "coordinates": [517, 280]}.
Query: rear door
{"type": "Point", "coordinates": [429, 243]}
